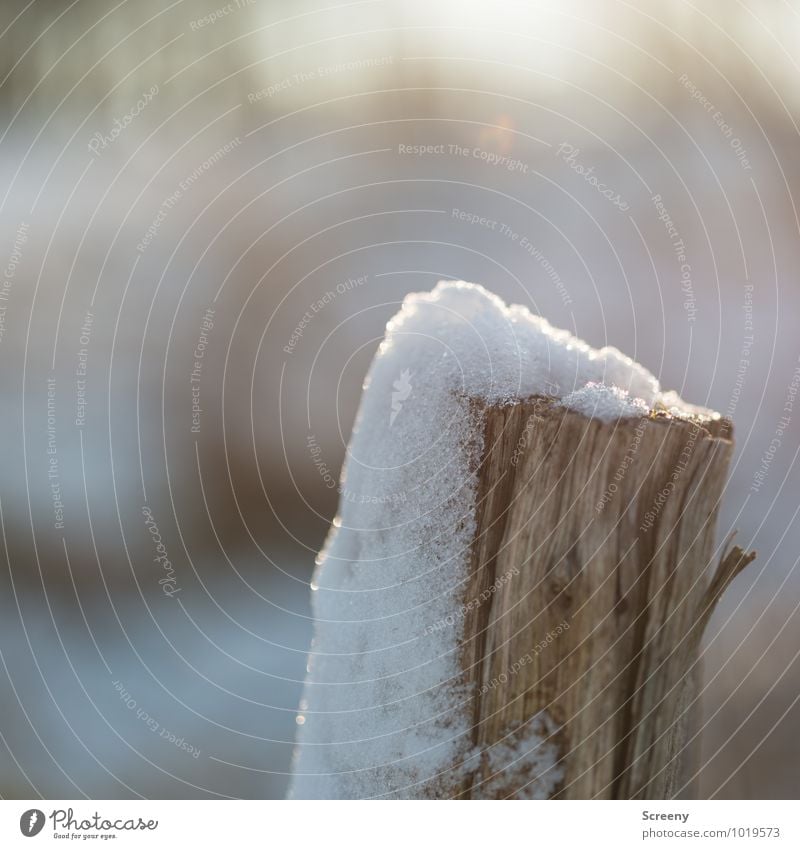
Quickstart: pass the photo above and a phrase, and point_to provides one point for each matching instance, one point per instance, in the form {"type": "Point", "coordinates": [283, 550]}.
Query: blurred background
{"type": "Point", "coordinates": [210, 211]}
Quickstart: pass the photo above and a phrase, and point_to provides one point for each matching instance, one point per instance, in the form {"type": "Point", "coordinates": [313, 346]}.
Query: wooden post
{"type": "Point", "coordinates": [593, 576]}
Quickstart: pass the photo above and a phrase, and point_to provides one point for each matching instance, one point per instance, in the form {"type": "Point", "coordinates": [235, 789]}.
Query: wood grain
{"type": "Point", "coordinates": [593, 575]}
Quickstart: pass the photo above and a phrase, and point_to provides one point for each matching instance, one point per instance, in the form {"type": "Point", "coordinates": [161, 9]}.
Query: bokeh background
{"type": "Point", "coordinates": [191, 177]}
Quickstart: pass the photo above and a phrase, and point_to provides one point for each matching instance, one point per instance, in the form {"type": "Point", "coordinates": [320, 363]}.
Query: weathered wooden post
{"type": "Point", "coordinates": [611, 528]}
{"type": "Point", "coordinates": [511, 600]}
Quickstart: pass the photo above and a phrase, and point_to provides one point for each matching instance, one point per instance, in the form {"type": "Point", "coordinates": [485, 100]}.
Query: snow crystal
{"type": "Point", "coordinates": [525, 764]}
{"type": "Point", "coordinates": [386, 711]}
{"type": "Point", "coordinates": [599, 401]}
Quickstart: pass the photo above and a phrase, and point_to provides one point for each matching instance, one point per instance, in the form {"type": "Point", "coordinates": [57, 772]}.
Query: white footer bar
{"type": "Point", "coordinates": [401, 824]}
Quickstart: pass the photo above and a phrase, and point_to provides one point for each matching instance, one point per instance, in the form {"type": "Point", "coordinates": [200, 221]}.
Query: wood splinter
{"type": "Point", "coordinates": [595, 546]}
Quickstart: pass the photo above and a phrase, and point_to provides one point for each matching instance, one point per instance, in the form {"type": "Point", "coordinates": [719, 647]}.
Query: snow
{"type": "Point", "coordinates": [385, 711]}
{"type": "Point", "coordinates": [525, 763]}
{"type": "Point", "coordinates": [600, 401]}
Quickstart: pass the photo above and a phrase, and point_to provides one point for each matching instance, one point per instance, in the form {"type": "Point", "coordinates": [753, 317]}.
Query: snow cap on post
{"type": "Point", "coordinates": [398, 669]}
